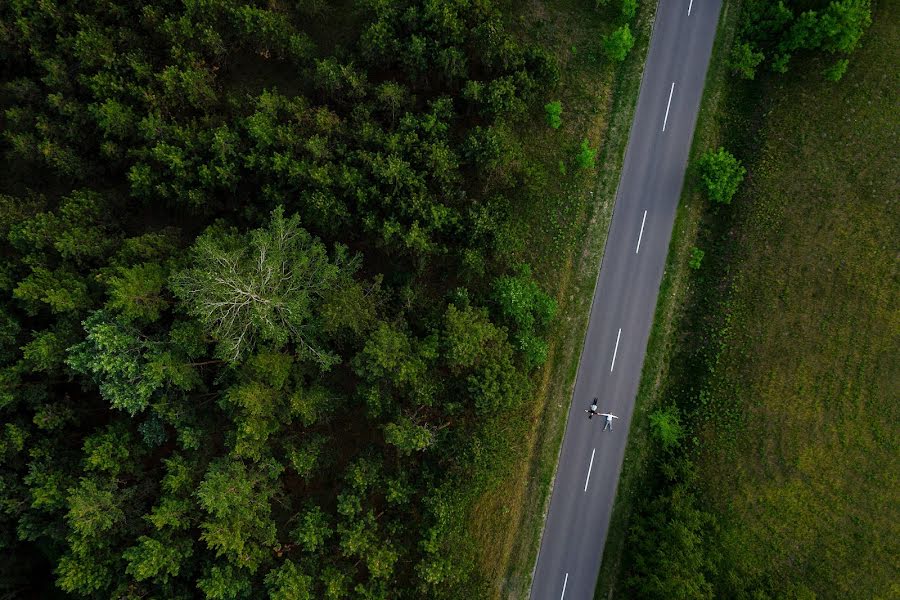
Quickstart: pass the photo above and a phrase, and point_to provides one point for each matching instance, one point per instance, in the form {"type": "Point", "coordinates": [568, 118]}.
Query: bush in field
{"type": "Point", "coordinates": [668, 552]}
{"type": "Point", "coordinates": [772, 32]}
{"type": "Point", "coordinates": [696, 258]}
{"type": "Point", "coordinates": [618, 43]}
{"type": "Point", "coordinates": [522, 302]}
{"type": "Point", "coordinates": [836, 71]}
{"type": "Point", "coordinates": [586, 155]}
{"type": "Point", "coordinates": [744, 60]}
{"type": "Point", "coordinates": [721, 174]}
{"type": "Point", "coordinates": [528, 309]}
{"type": "Point", "coordinates": [553, 110]}
{"type": "Point", "coordinates": [666, 427]}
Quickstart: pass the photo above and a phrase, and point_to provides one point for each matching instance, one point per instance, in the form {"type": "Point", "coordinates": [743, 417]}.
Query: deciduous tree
{"type": "Point", "coordinates": [289, 582]}
{"type": "Point", "coordinates": [720, 174]}
{"type": "Point", "coordinates": [116, 357]}
{"type": "Point", "coordinates": [618, 43]}
{"type": "Point", "coordinates": [238, 523]}
{"type": "Point", "coordinates": [263, 287]}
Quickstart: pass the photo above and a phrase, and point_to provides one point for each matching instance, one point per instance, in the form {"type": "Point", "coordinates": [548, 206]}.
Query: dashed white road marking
{"type": "Point", "coordinates": [616, 351]}
{"type": "Point", "coordinates": [689, 7]}
{"type": "Point", "coordinates": [590, 466]}
{"type": "Point", "coordinates": [641, 234]}
{"type": "Point", "coordinates": [563, 595]}
{"type": "Point", "coordinates": [668, 104]}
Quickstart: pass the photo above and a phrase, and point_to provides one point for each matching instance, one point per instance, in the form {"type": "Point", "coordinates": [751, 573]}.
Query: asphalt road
{"type": "Point", "coordinates": [625, 299]}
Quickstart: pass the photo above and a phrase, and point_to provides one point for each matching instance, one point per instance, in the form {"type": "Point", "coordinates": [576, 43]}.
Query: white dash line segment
{"type": "Point", "coordinates": [641, 234]}
{"type": "Point", "coordinates": [590, 466]}
{"type": "Point", "coordinates": [689, 7]}
{"type": "Point", "coordinates": [668, 104]}
{"type": "Point", "coordinates": [563, 595]}
{"type": "Point", "coordinates": [616, 351]}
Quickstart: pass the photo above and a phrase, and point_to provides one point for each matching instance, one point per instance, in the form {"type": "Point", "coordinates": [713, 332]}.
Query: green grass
{"type": "Point", "coordinates": [799, 455]}
{"type": "Point", "coordinates": [563, 231]}
{"type": "Point", "coordinates": [806, 480]}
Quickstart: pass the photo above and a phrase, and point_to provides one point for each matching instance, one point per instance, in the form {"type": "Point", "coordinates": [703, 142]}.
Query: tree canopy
{"type": "Point", "coordinates": [258, 323]}
{"type": "Point", "coordinates": [720, 175]}
{"type": "Point", "coordinates": [771, 33]}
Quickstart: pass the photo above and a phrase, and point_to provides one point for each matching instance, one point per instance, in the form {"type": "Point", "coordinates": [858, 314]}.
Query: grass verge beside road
{"type": "Point", "coordinates": [564, 241]}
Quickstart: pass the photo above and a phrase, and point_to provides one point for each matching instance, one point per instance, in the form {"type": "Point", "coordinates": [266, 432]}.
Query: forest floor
{"type": "Point", "coordinates": [562, 238]}
{"type": "Point", "coordinates": [799, 464]}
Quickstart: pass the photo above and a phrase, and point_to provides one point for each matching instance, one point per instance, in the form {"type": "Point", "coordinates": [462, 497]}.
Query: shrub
{"type": "Point", "coordinates": [721, 174]}
{"type": "Point", "coordinates": [533, 349]}
{"type": "Point", "coordinates": [522, 302]}
{"type": "Point", "coordinates": [629, 9]}
{"type": "Point", "coordinates": [744, 60]}
{"type": "Point", "coordinates": [666, 427]}
{"type": "Point", "coordinates": [529, 310]}
{"type": "Point", "coordinates": [836, 71]}
{"type": "Point", "coordinates": [696, 258]}
{"type": "Point", "coordinates": [586, 155]}
{"type": "Point", "coordinates": [554, 110]}
{"type": "Point", "coordinates": [618, 43]}
{"type": "Point", "coordinates": [773, 31]}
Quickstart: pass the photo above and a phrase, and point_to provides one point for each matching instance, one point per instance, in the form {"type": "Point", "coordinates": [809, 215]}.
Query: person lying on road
{"type": "Point", "coordinates": [609, 418]}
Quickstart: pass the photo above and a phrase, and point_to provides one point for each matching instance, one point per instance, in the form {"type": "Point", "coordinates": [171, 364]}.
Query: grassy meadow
{"type": "Point", "coordinates": [806, 480]}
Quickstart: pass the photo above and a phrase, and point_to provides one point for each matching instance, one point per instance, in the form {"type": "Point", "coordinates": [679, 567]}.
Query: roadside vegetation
{"type": "Point", "coordinates": [274, 278]}
{"type": "Point", "coordinates": [765, 463]}
{"type": "Point", "coordinates": [563, 236]}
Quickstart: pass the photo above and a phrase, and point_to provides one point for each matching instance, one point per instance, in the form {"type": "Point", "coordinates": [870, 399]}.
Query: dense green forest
{"type": "Point", "coordinates": [773, 435]}
{"type": "Point", "coordinates": [259, 331]}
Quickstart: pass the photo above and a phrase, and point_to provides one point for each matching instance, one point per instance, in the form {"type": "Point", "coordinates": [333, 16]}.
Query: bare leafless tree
{"type": "Point", "coordinates": [263, 286]}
